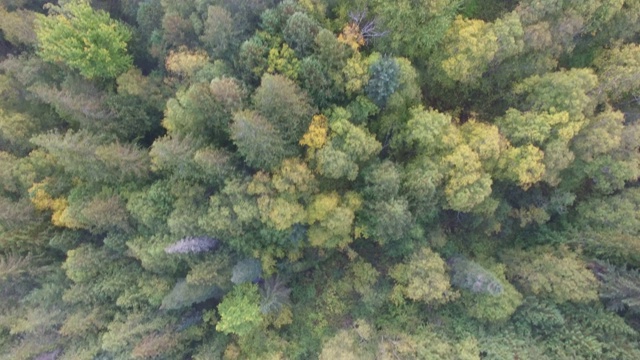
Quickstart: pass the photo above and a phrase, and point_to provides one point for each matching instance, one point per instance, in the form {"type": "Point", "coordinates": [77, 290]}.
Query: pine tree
{"type": "Point", "coordinates": [246, 270]}
{"type": "Point", "coordinates": [184, 294]}
{"type": "Point", "coordinates": [274, 295]}
{"type": "Point", "coordinates": [383, 81]}
{"type": "Point", "coordinates": [619, 287]}
{"type": "Point", "coordinates": [469, 275]}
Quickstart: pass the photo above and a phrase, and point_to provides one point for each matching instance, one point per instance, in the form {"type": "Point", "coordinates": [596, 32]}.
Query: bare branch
{"type": "Point", "coordinates": [367, 28]}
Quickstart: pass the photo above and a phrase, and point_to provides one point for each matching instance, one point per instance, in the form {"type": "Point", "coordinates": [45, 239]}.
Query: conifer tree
{"type": "Point", "coordinates": [619, 287]}
{"type": "Point", "coordinates": [384, 80]}
{"type": "Point", "coordinates": [469, 275]}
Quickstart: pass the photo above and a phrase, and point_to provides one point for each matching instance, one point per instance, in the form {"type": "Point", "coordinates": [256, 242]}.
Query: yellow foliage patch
{"type": "Point", "coordinates": [284, 214]}
{"type": "Point", "coordinates": [283, 61]}
{"type": "Point", "coordinates": [293, 176]}
{"type": "Point", "coordinates": [322, 205]}
{"type": "Point", "coordinates": [186, 63]}
{"type": "Point", "coordinates": [352, 36]}
{"type": "Point", "coordinates": [356, 73]}
{"type": "Point", "coordinates": [316, 136]}
{"type": "Point", "coordinates": [44, 201]}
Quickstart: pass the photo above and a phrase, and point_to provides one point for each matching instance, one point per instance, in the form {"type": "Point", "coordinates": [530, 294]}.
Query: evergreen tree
{"type": "Point", "coordinates": [383, 81]}
{"type": "Point", "coordinates": [619, 288]}
{"type": "Point", "coordinates": [469, 275]}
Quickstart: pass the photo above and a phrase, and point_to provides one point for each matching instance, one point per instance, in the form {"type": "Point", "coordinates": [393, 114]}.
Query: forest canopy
{"type": "Point", "coordinates": [319, 179]}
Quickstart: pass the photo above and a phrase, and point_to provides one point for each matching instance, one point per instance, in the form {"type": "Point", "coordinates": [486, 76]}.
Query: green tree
{"type": "Point", "coordinates": [285, 106]}
{"type": "Point", "coordinates": [201, 114]}
{"type": "Point", "coordinates": [349, 147]}
{"type": "Point", "coordinates": [467, 185]}
{"type": "Point", "coordinates": [345, 345]}
{"type": "Point", "coordinates": [510, 35]}
{"type": "Point", "coordinates": [151, 206]}
{"type": "Point", "coordinates": [486, 141]}
{"type": "Point", "coordinates": [234, 217]}
{"type": "Point", "coordinates": [246, 270]}
{"type": "Point", "coordinates": [317, 82]}
{"type": "Point", "coordinates": [422, 278]}
{"type": "Point", "coordinates": [173, 156]}
{"type": "Point", "coordinates": [283, 61]}
{"type": "Point", "coordinates": [555, 92]}
{"type": "Point", "coordinates": [85, 155]}
{"type": "Point", "coordinates": [84, 39]}
{"type": "Point", "coordinates": [135, 118]}
{"type": "Point", "coordinates": [258, 140]}
{"type": "Point", "coordinates": [448, 153]}
{"type": "Point", "coordinates": [428, 131]}
{"type": "Point", "coordinates": [16, 128]}
{"type": "Point", "coordinates": [149, 250]}
{"type": "Point", "coordinates": [331, 221]}
{"type": "Point", "coordinates": [415, 28]}
{"type": "Point", "coordinates": [218, 31]}
{"type": "Point", "coordinates": [604, 151]}
{"type": "Point", "coordinates": [190, 204]}
{"type": "Point", "coordinates": [177, 28]}
{"type": "Point", "coordinates": [385, 214]}
{"type": "Point", "coordinates": [128, 332]}
{"type": "Point", "coordinates": [397, 109]}
{"type": "Point", "coordinates": [552, 118]}
{"type": "Point", "coordinates": [275, 19]}
{"type": "Point", "coordinates": [617, 213]}
{"type": "Point", "coordinates": [299, 32]}
{"type": "Point", "coordinates": [330, 51]}
{"type": "Point", "coordinates": [99, 213]}
{"type": "Point", "coordinates": [355, 73]}
{"type": "Point", "coordinates": [559, 275]}
{"type": "Point", "coordinates": [469, 47]}
{"type": "Point", "coordinates": [240, 310]}
{"type": "Point", "coordinates": [149, 18]}
{"type": "Point", "coordinates": [17, 26]}
{"type": "Point", "coordinates": [95, 284]}
{"type": "Point", "coordinates": [421, 181]}
{"type": "Point", "coordinates": [252, 58]}
{"type": "Point", "coordinates": [388, 221]}
{"type": "Point", "coordinates": [79, 102]}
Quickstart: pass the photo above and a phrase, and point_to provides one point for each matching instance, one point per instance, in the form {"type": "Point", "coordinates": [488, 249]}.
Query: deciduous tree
{"type": "Point", "coordinates": [422, 278]}
{"type": "Point", "coordinates": [258, 140]}
{"type": "Point", "coordinates": [84, 39]}
{"type": "Point", "coordinates": [240, 310]}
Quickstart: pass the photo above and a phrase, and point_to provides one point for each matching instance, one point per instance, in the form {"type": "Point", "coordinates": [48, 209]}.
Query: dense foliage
{"type": "Point", "coordinates": [319, 179]}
